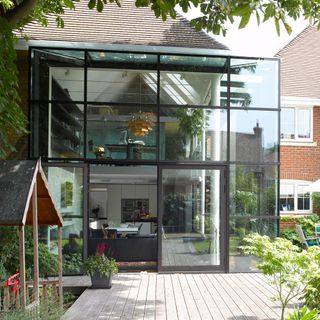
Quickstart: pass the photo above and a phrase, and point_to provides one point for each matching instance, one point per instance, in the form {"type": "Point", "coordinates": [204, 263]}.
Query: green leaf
{"type": "Point", "coordinates": [244, 20]}
{"type": "Point", "coordinates": [92, 4]}
{"type": "Point", "coordinates": [99, 5]}
{"type": "Point", "coordinates": [288, 27]}
{"type": "Point", "coordinates": [242, 11]}
{"type": "Point", "coordinates": [276, 22]}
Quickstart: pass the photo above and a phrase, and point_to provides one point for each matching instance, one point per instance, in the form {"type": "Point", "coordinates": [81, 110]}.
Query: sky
{"type": "Point", "coordinates": [254, 40]}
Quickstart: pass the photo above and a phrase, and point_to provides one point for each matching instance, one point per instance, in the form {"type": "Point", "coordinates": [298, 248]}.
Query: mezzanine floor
{"type": "Point", "coordinates": [234, 296]}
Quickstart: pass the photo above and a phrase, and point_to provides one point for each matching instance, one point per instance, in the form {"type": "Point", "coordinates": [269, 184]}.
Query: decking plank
{"type": "Point", "coordinates": [150, 310]}
{"type": "Point", "coordinates": [128, 309]}
{"type": "Point", "coordinates": [181, 306]}
{"type": "Point", "coordinates": [197, 297]}
{"type": "Point", "coordinates": [139, 308]}
{"type": "Point", "coordinates": [207, 298]}
{"type": "Point", "coordinates": [170, 299]}
{"type": "Point", "coordinates": [117, 311]}
{"type": "Point", "coordinates": [161, 313]}
{"type": "Point", "coordinates": [215, 294]}
{"type": "Point", "coordinates": [188, 298]}
{"type": "Point", "coordinates": [253, 301]}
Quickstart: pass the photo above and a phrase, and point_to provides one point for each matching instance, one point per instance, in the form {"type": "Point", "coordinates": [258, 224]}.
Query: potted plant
{"type": "Point", "coordinates": [100, 268]}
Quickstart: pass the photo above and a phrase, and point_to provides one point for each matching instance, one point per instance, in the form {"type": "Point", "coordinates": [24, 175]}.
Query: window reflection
{"type": "Point", "coordinates": [254, 83]}
{"type": "Point", "coordinates": [253, 136]}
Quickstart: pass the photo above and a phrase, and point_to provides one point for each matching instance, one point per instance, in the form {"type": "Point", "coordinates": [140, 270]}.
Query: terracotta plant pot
{"type": "Point", "coordinates": [101, 282]}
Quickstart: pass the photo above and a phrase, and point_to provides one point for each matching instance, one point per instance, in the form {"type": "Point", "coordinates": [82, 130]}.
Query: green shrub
{"type": "Point", "coordinates": [304, 314]}
{"type": "Point", "coordinates": [291, 269]}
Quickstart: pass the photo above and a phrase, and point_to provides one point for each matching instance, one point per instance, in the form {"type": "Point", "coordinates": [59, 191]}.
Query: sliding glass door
{"type": "Point", "coordinates": [193, 220]}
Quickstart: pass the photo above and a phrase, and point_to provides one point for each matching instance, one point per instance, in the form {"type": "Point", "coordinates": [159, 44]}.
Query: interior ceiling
{"type": "Point", "coordinates": [100, 174]}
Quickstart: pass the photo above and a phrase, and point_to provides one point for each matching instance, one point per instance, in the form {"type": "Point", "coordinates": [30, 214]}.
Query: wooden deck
{"type": "Point", "coordinates": [180, 296]}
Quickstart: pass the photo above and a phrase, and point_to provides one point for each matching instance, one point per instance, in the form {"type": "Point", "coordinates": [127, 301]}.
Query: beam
{"type": "Point", "coordinates": [22, 267]}
{"type": "Point", "coordinates": [35, 244]}
{"type": "Point", "coordinates": [60, 265]}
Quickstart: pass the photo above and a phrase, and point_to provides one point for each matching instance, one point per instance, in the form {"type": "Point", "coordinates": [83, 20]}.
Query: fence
{"type": "Point", "coordinates": [10, 296]}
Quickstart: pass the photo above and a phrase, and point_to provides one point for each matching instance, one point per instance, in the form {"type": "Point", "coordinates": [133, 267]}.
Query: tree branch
{"type": "Point", "coordinates": [20, 12]}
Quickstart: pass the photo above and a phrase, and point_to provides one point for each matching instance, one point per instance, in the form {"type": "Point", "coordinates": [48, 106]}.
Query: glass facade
{"type": "Point", "coordinates": [214, 117]}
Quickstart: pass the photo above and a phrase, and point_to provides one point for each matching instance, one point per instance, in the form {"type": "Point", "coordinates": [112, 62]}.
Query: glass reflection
{"type": "Point", "coordinates": [254, 83]}
{"type": "Point", "coordinates": [125, 86]}
{"type": "Point", "coordinates": [253, 190]}
{"type": "Point", "coordinates": [254, 136]}
{"type": "Point", "coordinates": [109, 135]}
{"type": "Point", "coordinates": [190, 217]}
{"type": "Point", "coordinates": [239, 228]}
{"type": "Point", "coordinates": [193, 134]}
{"type": "Point", "coordinates": [66, 187]}
{"type": "Point", "coordinates": [192, 88]}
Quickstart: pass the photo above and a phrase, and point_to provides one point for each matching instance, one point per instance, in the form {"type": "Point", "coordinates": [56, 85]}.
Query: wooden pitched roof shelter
{"type": "Point", "coordinates": [25, 200]}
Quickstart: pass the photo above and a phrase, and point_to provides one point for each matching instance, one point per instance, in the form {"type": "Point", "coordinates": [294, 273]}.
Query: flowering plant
{"type": "Point", "coordinates": [100, 263]}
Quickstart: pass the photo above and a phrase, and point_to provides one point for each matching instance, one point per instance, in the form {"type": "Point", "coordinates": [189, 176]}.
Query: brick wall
{"type": "Point", "coordinates": [301, 162]}
{"type": "Point", "coordinates": [21, 142]}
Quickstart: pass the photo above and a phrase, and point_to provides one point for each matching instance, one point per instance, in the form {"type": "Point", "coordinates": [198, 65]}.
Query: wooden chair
{"type": "Point", "coordinates": [317, 232]}
{"type": "Point", "coordinates": [306, 241]}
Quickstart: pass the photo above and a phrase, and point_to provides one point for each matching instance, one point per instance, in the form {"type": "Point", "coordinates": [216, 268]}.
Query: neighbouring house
{"type": "Point", "coordinates": [300, 121]}
{"type": "Point", "coordinates": [155, 139]}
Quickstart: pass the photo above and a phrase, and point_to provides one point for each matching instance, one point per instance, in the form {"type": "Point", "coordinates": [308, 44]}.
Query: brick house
{"type": "Point", "coordinates": [300, 121]}
{"type": "Point", "coordinates": [155, 139]}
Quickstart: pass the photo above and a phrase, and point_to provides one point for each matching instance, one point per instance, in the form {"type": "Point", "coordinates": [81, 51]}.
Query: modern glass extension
{"type": "Point", "coordinates": [167, 159]}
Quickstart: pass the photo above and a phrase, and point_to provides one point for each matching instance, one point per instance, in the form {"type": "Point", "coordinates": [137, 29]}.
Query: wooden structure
{"type": "Point", "coordinates": [25, 200]}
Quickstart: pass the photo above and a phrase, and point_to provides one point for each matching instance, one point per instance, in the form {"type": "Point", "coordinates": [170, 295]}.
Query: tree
{"type": "Point", "coordinates": [214, 14]}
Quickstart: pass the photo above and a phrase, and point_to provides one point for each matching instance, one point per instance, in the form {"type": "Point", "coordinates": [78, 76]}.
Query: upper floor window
{"type": "Point", "coordinates": [296, 123]}
{"type": "Point", "coordinates": [294, 198]}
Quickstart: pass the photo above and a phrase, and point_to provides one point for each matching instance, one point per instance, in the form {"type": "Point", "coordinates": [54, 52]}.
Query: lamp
{"type": "Point", "coordinates": [141, 123]}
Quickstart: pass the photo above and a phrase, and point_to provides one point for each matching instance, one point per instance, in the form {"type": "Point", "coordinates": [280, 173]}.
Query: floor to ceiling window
{"type": "Point", "coordinates": [208, 126]}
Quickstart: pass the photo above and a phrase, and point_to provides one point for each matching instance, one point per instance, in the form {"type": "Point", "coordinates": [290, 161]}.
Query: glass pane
{"type": "Point", "coordinates": [190, 217]}
{"type": "Point", "coordinates": [304, 123]}
{"type": "Point", "coordinates": [191, 80]}
{"type": "Point", "coordinates": [254, 83]}
{"type": "Point", "coordinates": [193, 134]}
{"type": "Point", "coordinates": [287, 203]}
{"type": "Point", "coordinates": [123, 212]}
{"type": "Point", "coordinates": [57, 130]}
{"type": "Point", "coordinates": [66, 187]}
{"type": "Point", "coordinates": [57, 74]}
{"type": "Point", "coordinates": [191, 88]}
{"type": "Point", "coordinates": [239, 227]}
{"type": "Point", "coordinates": [287, 123]}
{"type": "Point", "coordinates": [124, 60]}
{"type": "Point", "coordinates": [303, 198]}
{"type": "Point", "coordinates": [254, 136]}
{"type": "Point", "coordinates": [253, 190]}
{"type": "Point", "coordinates": [125, 86]}
{"type": "Point", "coordinates": [65, 129]}
{"type": "Point", "coordinates": [121, 132]}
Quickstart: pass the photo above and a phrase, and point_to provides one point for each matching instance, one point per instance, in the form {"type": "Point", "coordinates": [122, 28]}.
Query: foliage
{"type": "Point", "coordinates": [72, 263]}
{"type": "Point", "coordinates": [9, 254]}
{"type": "Point", "coordinates": [44, 312]}
{"type": "Point", "coordinates": [291, 235]}
{"type": "Point", "coordinates": [312, 292]}
{"type": "Point", "coordinates": [100, 263]}
{"type": "Point", "coordinates": [315, 196]}
{"type": "Point", "coordinates": [291, 269]}
{"type": "Point", "coordinates": [304, 314]}
{"type": "Point", "coordinates": [191, 124]}
{"type": "Point", "coordinates": [12, 118]}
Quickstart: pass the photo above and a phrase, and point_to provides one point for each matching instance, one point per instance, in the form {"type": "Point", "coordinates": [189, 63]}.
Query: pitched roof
{"type": "Point", "coordinates": [300, 68]}
{"type": "Point", "coordinates": [125, 25]}
{"type": "Point", "coordinates": [17, 181]}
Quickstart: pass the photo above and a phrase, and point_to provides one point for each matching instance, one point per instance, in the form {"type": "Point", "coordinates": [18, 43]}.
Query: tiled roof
{"type": "Point", "coordinates": [300, 67]}
{"type": "Point", "coordinates": [125, 25]}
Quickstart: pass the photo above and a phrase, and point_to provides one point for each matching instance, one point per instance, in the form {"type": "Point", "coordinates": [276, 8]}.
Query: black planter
{"type": "Point", "coordinates": [100, 281]}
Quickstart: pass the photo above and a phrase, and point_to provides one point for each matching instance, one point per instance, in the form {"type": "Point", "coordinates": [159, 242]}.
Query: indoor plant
{"type": "Point", "coordinates": [100, 268]}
